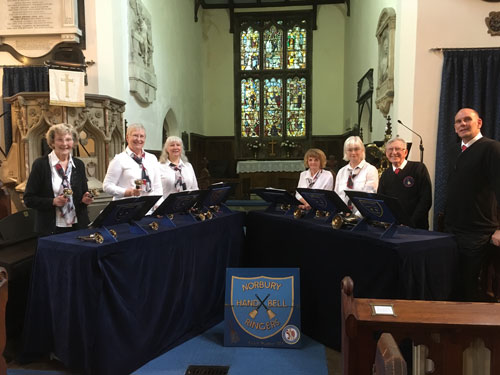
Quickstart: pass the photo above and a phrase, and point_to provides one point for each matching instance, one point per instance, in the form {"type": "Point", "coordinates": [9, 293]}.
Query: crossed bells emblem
{"type": "Point", "coordinates": [255, 311]}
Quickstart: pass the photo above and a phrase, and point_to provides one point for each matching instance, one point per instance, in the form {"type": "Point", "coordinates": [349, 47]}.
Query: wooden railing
{"type": "Point", "coordinates": [447, 329]}
{"type": "Point", "coordinates": [3, 304]}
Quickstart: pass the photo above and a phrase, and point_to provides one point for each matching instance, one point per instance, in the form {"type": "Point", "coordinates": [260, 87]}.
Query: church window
{"type": "Point", "coordinates": [273, 76]}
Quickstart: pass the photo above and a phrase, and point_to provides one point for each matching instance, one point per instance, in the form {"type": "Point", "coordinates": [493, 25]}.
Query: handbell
{"type": "Point", "coordinates": [153, 225]}
{"type": "Point", "coordinates": [320, 213]}
{"type": "Point", "coordinates": [298, 213]}
{"type": "Point", "coordinates": [93, 193]}
{"type": "Point", "coordinates": [138, 183]}
{"type": "Point", "coordinates": [67, 192]}
{"type": "Point", "coordinates": [339, 220]}
{"type": "Point", "coordinates": [94, 237]}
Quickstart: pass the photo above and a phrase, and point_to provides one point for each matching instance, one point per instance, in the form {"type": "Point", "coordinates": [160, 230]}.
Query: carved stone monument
{"type": "Point", "coordinates": [386, 30]}
{"type": "Point", "coordinates": [34, 27]}
{"type": "Point", "coordinates": [141, 69]}
{"type": "Point", "coordinates": [99, 124]}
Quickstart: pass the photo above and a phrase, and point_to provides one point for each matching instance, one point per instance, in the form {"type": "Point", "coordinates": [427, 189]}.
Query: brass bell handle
{"type": "Point", "coordinates": [94, 237]}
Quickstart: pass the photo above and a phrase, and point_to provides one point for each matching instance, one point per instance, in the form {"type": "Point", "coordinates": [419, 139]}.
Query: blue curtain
{"type": "Point", "coordinates": [18, 80]}
{"type": "Point", "coordinates": [470, 78]}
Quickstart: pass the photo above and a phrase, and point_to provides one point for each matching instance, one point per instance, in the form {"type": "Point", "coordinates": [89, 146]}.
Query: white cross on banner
{"type": "Point", "coordinates": [66, 88]}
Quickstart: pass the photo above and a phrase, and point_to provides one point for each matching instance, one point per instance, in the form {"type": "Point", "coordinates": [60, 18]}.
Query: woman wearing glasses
{"type": "Point", "coordinates": [358, 174]}
{"type": "Point", "coordinates": [315, 176]}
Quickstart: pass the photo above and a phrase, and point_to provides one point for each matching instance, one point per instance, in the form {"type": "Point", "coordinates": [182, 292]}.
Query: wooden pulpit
{"type": "Point", "coordinates": [99, 124]}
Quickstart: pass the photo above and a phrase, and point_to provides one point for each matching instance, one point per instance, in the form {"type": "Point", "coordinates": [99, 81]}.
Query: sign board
{"type": "Point", "coordinates": [262, 307]}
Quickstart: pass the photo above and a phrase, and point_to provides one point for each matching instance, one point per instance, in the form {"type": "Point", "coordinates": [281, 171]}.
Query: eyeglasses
{"type": "Point", "coordinates": [395, 149]}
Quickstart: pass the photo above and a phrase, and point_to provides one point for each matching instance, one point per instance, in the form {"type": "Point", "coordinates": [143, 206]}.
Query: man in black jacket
{"type": "Point", "coordinates": [473, 198]}
{"type": "Point", "coordinates": [409, 181]}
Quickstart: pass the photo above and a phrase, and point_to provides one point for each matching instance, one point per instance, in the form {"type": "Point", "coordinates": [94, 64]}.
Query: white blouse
{"type": "Point", "coordinates": [168, 177]}
{"type": "Point", "coordinates": [365, 179]}
{"type": "Point", "coordinates": [123, 170]}
{"type": "Point", "coordinates": [324, 181]}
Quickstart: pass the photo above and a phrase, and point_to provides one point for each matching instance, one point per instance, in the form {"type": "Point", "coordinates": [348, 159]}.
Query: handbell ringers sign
{"type": "Point", "coordinates": [262, 307]}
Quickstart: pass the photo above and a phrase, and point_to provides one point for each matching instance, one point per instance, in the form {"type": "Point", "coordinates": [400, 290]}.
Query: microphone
{"type": "Point", "coordinates": [3, 114]}
{"type": "Point", "coordinates": [421, 142]}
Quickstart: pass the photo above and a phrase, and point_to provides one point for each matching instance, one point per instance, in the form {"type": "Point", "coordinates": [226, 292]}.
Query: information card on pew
{"type": "Point", "coordinates": [262, 307]}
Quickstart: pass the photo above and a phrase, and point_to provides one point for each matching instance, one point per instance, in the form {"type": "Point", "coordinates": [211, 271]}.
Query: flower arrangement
{"type": "Point", "coordinates": [254, 146]}
{"type": "Point", "coordinates": [287, 144]}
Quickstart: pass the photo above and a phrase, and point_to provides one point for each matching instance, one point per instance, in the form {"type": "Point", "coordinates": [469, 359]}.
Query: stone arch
{"type": "Point", "coordinates": [170, 125]}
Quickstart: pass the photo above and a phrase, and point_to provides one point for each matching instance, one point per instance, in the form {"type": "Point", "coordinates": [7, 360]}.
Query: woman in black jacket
{"type": "Point", "coordinates": [57, 185]}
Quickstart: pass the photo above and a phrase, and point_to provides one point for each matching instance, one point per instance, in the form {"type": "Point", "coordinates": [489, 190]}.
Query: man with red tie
{"type": "Point", "coordinates": [409, 181]}
{"type": "Point", "coordinates": [473, 198]}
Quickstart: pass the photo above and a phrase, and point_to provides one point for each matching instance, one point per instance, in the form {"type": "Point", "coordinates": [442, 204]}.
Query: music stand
{"type": "Point", "coordinates": [215, 196]}
{"type": "Point", "coordinates": [326, 203]}
{"type": "Point", "coordinates": [177, 205]}
{"type": "Point", "coordinates": [378, 208]}
{"type": "Point", "coordinates": [281, 201]}
{"type": "Point", "coordinates": [124, 211]}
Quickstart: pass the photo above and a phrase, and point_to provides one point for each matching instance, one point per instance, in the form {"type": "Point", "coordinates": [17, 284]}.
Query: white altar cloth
{"type": "Point", "coordinates": [252, 166]}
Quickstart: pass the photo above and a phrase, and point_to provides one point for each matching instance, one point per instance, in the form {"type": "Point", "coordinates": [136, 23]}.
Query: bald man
{"type": "Point", "coordinates": [473, 198]}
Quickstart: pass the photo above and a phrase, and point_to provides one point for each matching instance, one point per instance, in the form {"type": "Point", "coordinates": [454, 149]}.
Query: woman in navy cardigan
{"type": "Point", "coordinates": [57, 185]}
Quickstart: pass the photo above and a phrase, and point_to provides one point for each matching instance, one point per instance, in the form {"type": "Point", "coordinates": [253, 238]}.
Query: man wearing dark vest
{"type": "Point", "coordinates": [473, 198]}
{"type": "Point", "coordinates": [408, 181]}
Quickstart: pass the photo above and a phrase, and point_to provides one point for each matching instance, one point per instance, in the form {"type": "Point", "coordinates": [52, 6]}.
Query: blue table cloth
{"type": "Point", "coordinates": [415, 264]}
{"type": "Point", "coordinates": [110, 308]}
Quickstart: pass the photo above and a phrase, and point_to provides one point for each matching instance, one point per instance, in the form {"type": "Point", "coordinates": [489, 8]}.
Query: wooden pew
{"type": "Point", "coordinates": [388, 358]}
{"type": "Point", "coordinates": [3, 303]}
{"type": "Point", "coordinates": [446, 328]}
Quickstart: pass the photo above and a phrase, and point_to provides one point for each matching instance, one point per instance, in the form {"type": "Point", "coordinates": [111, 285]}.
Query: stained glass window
{"type": "Point", "coordinates": [296, 107]}
{"type": "Point", "coordinates": [296, 48]}
{"type": "Point", "coordinates": [250, 107]}
{"type": "Point", "coordinates": [249, 46]}
{"type": "Point", "coordinates": [273, 107]}
{"type": "Point", "coordinates": [273, 75]}
{"type": "Point", "coordinates": [273, 48]}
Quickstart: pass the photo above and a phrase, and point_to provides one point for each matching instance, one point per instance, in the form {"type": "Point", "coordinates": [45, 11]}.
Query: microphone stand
{"type": "Point", "coordinates": [421, 142]}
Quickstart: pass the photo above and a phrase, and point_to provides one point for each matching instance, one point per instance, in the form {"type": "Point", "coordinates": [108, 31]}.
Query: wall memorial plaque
{"type": "Point", "coordinates": [34, 27]}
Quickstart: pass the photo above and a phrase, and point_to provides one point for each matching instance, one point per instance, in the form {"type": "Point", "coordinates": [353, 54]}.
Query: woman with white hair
{"type": "Point", "coordinates": [131, 166]}
{"type": "Point", "coordinates": [358, 174]}
{"type": "Point", "coordinates": [177, 174]}
{"type": "Point", "coordinates": [57, 185]}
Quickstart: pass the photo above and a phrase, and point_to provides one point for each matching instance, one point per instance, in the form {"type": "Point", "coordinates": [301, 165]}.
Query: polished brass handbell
{"type": "Point", "coordinates": [67, 192]}
{"type": "Point", "coordinates": [320, 213]}
{"type": "Point", "coordinates": [298, 213]}
{"type": "Point", "coordinates": [113, 233]}
{"type": "Point", "coordinates": [339, 220]}
{"type": "Point", "coordinates": [209, 215]}
{"type": "Point", "coordinates": [93, 193]}
{"type": "Point", "coordinates": [138, 183]}
{"type": "Point", "coordinates": [285, 207]}
{"type": "Point", "coordinates": [94, 237]}
{"type": "Point", "coordinates": [154, 225]}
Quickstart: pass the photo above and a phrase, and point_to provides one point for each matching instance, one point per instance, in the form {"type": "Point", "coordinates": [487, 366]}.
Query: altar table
{"type": "Point", "coordinates": [252, 166]}
{"type": "Point", "coordinates": [415, 264]}
{"type": "Point", "coordinates": [279, 174]}
{"type": "Point", "coordinates": [110, 308]}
